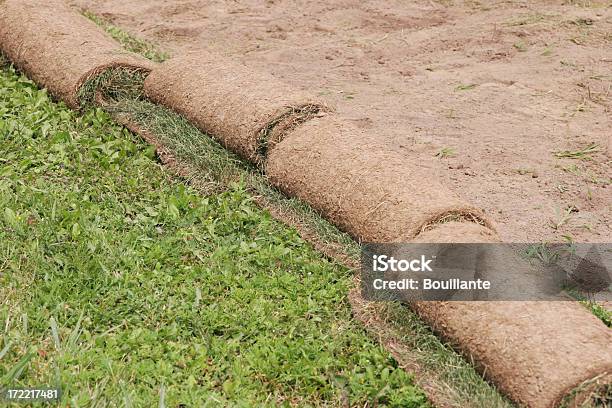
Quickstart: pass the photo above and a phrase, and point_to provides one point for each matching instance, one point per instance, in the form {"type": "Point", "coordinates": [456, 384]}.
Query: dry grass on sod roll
{"type": "Point", "coordinates": [112, 84]}
{"type": "Point", "coordinates": [46, 41]}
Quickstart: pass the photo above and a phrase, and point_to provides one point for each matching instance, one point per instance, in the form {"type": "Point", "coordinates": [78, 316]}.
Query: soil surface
{"type": "Point", "coordinates": [485, 94]}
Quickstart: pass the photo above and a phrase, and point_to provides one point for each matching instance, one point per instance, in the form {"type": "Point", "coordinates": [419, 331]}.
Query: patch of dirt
{"type": "Point", "coordinates": [496, 88]}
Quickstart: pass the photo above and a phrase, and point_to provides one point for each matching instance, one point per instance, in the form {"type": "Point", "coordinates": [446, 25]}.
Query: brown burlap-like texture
{"type": "Point", "coordinates": [535, 352]}
{"type": "Point", "coordinates": [246, 110]}
{"type": "Point", "coordinates": [57, 47]}
{"type": "Point", "coordinates": [372, 193]}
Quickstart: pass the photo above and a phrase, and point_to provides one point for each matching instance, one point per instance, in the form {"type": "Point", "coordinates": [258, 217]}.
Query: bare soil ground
{"type": "Point", "coordinates": [486, 94]}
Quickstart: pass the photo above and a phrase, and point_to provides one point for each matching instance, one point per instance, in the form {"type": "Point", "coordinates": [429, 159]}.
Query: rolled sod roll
{"type": "Point", "coordinates": [59, 48]}
{"type": "Point", "coordinates": [537, 353]}
{"type": "Point", "coordinates": [374, 194]}
{"type": "Point", "coordinates": [245, 110]}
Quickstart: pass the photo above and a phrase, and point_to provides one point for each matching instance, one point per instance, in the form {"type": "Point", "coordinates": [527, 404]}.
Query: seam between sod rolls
{"type": "Point", "coordinates": [282, 125]}
{"type": "Point", "coordinates": [455, 216]}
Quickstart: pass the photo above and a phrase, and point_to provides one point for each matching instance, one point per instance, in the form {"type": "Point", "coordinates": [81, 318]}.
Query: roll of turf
{"type": "Point", "coordinates": [57, 47]}
{"type": "Point", "coordinates": [372, 193]}
{"type": "Point", "coordinates": [540, 354]}
{"type": "Point", "coordinates": [247, 111]}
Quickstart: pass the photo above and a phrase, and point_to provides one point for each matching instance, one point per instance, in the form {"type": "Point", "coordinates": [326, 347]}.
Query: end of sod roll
{"type": "Point", "coordinates": [59, 48]}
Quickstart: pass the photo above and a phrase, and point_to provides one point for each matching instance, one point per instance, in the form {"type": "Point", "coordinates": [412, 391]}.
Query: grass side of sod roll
{"type": "Point", "coordinates": [126, 288]}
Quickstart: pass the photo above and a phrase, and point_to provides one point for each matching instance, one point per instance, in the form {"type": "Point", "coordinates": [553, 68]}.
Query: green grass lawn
{"type": "Point", "coordinates": [127, 288]}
